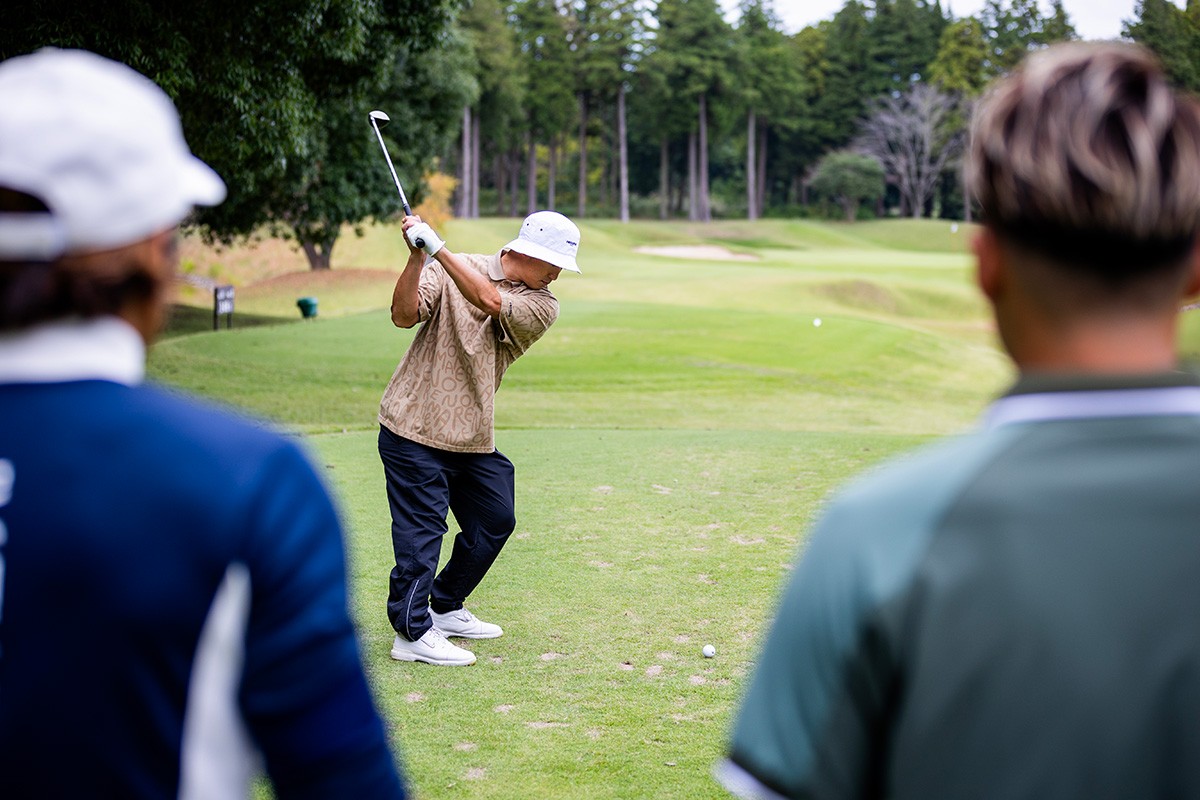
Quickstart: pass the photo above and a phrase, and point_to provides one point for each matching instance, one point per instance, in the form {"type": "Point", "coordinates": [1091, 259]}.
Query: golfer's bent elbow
{"type": "Point", "coordinates": [402, 318]}
{"type": "Point", "coordinates": [490, 305]}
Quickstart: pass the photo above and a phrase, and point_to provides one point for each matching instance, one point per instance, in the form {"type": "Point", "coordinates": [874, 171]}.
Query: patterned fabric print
{"type": "Point", "coordinates": [442, 393]}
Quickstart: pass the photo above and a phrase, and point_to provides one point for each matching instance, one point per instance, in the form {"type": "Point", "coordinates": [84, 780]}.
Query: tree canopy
{"type": "Point", "coordinates": [273, 95]}
{"type": "Point", "coordinates": [526, 102]}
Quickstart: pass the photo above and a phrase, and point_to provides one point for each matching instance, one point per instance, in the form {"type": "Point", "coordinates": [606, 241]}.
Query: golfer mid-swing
{"type": "Point", "coordinates": [480, 313]}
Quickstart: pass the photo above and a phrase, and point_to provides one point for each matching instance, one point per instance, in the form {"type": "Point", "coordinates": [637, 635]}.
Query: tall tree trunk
{"type": "Point", "coordinates": [693, 183]}
{"type": "Point", "coordinates": [476, 164]}
{"type": "Point", "coordinates": [851, 209]}
{"type": "Point", "coordinates": [319, 253]}
{"type": "Point", "coordinates": [464, 178]}
{"type": "Point", "coordinates": [622, 155]}
{"type": "Point", "coordinates": [751, 167]}
{"type": "Point", "coordinates": [583, 161]}
{"type": "Point", "coordinates": [500, 178]}
{"type": "Point", "coordinates": [761, 205]}
{"type": "Point", "coordinates": [552, 174]}
{"type": "Point", "coordinates": [531, 173]}
{"type": "Point", "coordinates": [607, 182]}
{"type": "Point", "coordinates": [514, 170]}
{"type": "Point", "coordinates": [703, 207]}
{"type": "Point", "coordinates": [966, 197]}
{"type": "Point", "coordinates": [664, 179]}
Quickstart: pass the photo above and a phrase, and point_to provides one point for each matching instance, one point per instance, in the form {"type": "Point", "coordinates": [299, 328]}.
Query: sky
{"type": "Point", "coordinates": [1093, 19]}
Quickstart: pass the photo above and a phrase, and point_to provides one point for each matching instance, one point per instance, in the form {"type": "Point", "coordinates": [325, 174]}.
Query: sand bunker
{"type": "Point", "coordinates": [706, 252]}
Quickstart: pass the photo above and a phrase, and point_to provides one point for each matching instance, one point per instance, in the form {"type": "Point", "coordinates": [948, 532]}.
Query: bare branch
{"type": "Point", "coordinates": [915, 135]}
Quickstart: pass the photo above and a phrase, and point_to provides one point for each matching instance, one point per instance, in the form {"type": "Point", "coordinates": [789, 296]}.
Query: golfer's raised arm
{"type": "Point", "coordinates": [475, 287]}
{"type": "Point", "coordinates": [406, 303]}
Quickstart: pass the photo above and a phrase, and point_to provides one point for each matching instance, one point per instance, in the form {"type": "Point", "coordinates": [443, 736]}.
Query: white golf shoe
{"type": "Point", "coordinates": [432, 648]}
{"type": "Point", "coordinates": [465, 624]}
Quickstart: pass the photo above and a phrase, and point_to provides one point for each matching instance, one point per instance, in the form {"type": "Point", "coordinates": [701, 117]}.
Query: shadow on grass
{"type": "Point", "coordinates": [183, 320]}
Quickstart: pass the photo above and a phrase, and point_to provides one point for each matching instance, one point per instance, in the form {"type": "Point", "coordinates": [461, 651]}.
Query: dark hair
{"type": "Point", "coordinates": [81, 286]}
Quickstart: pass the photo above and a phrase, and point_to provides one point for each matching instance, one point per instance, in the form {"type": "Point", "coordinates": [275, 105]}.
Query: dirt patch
{"type": "Point", "coordinates": [312, 280]}
{"type": "Point", "coordinates": [702, 252]}
{"type": "Point", "coordinates": [240, 264]}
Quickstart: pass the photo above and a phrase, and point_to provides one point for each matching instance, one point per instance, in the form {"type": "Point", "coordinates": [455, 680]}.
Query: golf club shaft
{"type": "Point", "coordinates": [395, 177]}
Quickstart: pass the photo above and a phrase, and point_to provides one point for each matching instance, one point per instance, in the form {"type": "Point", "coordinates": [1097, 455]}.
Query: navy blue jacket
{"type": "Point", "coordinates": [172, 606]}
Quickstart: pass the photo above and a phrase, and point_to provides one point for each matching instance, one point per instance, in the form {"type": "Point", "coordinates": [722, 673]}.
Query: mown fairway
{"type": "Point", "coordinates": [674, 434]}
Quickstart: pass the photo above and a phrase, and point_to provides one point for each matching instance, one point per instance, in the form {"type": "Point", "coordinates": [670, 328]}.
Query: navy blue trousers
{"type": "Point", "coordinates": [423, 483]}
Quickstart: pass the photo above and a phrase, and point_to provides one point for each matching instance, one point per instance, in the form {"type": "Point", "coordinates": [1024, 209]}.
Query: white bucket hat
{"type": "Point", "coordinates": [549, 236]}
{"type": "Point", "coordinates": [101, 146]}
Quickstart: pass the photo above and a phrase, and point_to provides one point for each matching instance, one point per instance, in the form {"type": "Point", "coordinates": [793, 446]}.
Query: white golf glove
{"type": "Point", "coordinates": [421, 232]}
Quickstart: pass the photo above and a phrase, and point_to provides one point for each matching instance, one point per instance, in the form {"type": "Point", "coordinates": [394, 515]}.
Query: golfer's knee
{"type": "Point", "coordinates": [502, 526]}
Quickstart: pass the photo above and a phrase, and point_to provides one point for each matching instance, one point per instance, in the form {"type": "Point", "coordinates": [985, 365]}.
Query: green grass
{"type": "Point", "coordinates": [674, 434]}
{"type": "Point", "coordinates": [634, 549]}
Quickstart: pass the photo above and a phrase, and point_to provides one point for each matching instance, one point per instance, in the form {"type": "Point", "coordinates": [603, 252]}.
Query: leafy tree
{"type": "Point", "coordinates": [273, 95]}
{"type": "Point", "coordinates": [691, 60]}
{"type": "Point", "coordinates": [497, 71]}
{"type": "Point", "coordinates": [1008, 34]}
{"type": "Point", "coordinates": [960, 65]}
{"type": "Point", "coordinates": [914, 136]}
{"type": "Point", "coordinates": [849, 78]}
{"type": "Point", "coordinates": [550, 105]}
{"type": "Point", "coordinates": [1057, 27]}
{"type": "Point", "coordinates": [1173, 35]}
{"type": "Point", "coordinates": [904, 37]}
{"type": "Point", "coordinates": [1015, 29]}
{"type": "Point", "coordinates": [769, 86]}
{"type": "Point", "coordinates": [605, 41]}
{"type": "Point", "coordinates": [849, 179]}
{"type": "Point", "coordinates": [804, 134]}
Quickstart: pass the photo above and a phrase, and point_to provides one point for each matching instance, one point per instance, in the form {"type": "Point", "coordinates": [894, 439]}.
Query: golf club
{"type": "Point", "coordinates": [378, 120]}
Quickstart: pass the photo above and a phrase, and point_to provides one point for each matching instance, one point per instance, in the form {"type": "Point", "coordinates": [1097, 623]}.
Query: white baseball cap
{"type": "Point", "coordinates": [549, 236]}
{"type": "Point", "coordinates": [101, 145]}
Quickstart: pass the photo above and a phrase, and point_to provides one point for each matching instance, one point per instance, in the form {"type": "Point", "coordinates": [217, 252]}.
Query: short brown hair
{"type": "Point", "coordinates": [1086, 155]}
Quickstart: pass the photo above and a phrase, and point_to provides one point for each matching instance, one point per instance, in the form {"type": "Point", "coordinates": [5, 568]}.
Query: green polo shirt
{"type": "Point", "coordinates": [1012, 613]}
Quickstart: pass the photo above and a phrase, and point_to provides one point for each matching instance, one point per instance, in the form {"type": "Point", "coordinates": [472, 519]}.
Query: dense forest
{"type": "Point", "coordinates": [596, 108]}
{"type": "Point", "coordinates": [671, 110]}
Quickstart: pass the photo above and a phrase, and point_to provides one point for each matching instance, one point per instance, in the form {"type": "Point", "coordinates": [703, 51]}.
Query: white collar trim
{"type": "Point", "coordinates": [1168, 401]}
{"type": "Point", "coordinates": [106, 348]}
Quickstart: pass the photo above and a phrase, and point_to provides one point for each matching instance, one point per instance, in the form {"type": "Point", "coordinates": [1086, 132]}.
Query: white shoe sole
{"type": "Point", "coordinates": [448, 634]}
{"type": "Point", "coordinates": [403, 655]}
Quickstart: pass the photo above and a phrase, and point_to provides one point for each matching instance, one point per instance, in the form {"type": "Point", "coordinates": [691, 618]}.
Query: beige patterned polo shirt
{"type": "Point", "coordinates": [442, 393]}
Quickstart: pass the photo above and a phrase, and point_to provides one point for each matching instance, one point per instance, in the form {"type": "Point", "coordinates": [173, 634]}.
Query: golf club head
{"type": "Point", "coordinates": [378, 120]}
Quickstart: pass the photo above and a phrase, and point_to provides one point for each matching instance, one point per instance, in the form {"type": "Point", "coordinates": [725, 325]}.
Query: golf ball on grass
{"type": "Point", "coordinates": [817, 322]}
{"type": "Point", "coordinates": [709, 651]}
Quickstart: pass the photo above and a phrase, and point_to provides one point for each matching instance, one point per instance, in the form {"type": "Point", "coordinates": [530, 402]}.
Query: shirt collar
{"type": "Point", "coordinates": [1044, 398]}
{"type": "Point", "coordinates": [105, 348]}
{"type": "Point", "coordinates": [495, 268]}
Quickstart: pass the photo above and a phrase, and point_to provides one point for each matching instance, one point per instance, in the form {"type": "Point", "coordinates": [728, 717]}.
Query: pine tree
{"type": "Point", "coordinates": [550, 103]}
{"type": "Point", "coordinates": [961, 62]}
{"type": "Point", "coordinates": [1173, 35]}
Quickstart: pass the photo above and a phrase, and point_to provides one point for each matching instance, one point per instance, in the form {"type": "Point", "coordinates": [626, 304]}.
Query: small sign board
{"type": "Point", "coordinates": [222, 305]}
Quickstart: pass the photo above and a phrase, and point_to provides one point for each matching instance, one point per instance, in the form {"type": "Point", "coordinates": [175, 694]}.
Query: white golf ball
{"type": "Point", "coordinates": [709, 651]}
{"type": "Point", "coordinates": [817, 322]}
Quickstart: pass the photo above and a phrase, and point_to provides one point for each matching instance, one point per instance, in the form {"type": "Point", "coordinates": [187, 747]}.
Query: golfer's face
{"type": "Point", "coordinates": [543, 274]}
